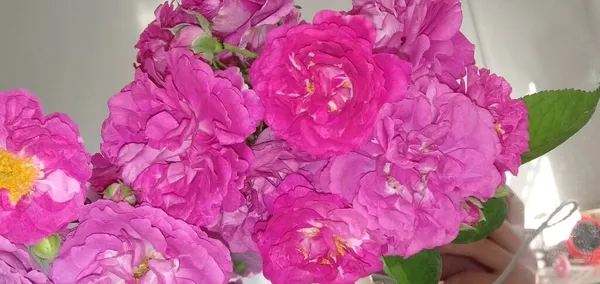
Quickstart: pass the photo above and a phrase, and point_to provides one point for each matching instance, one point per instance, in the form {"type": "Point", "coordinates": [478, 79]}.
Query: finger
{"type": "Point", "coordinates": [485, 252]}
{"type": "Point", "coordinates": [472, 277]}
{"type": "Point", "coordinates": [453, 265]}
{"type": "Point", "coordinates": [507, 238]}
{"type": "Point", "coordinates": [515, 213]}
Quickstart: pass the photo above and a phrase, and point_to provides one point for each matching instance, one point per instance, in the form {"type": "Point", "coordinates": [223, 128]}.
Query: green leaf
{"type": "Point", "coordinates": [422, 268]}
{"type": "Point", "coordinates": [554, 116]}
{"type": "Point", "coordinates": [202, 21]}
{"type": "Point", "coordinates": [494, 212]}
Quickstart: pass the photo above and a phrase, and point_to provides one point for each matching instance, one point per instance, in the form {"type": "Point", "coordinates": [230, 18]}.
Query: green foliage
{"type": "Point", "coordinates": [555, 116]}
{"type": "Point", "coordinates": [422, 268]}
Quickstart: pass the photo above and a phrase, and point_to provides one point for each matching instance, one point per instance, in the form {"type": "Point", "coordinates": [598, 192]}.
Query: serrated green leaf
{"type": "Point", "coordinates": [422, 268]}
{"type": "Point", "coordinates": [494, 213]}
{"type": "Point", "coordinates": [555, 116]}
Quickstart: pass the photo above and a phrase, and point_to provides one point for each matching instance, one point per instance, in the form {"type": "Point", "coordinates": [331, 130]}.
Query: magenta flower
{"type": "Point", "coordinates": [16, 266]}
{"type": "Point", "coordinates": [160, 36]}
{"type": "Point", "coordinates": [431, 151]}
{"type": "Point", "coordinates": [43, 169]}
{"type": "Point", "coordinates": [316, 238]}
{"type": "Point", "coordinates": [245, 21]}
{"type": "Point", "coordinates": [182, 146]}
{"type": "Point", "coordinates": [104, 174]}
{"type": "Point", "coordinates": [321, 84]}
{"type": "Point", "coordinates": [493, 92]}
{"type": "Point", "coordinates": [424, 32]}
{"type": "Point", "coordinates": [116, 243]}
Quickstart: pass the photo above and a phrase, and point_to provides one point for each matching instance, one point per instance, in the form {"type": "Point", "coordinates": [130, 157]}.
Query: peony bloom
{"type": "Point", "coordinates": [430, 152]}
{"type": "Point", "coordinates": [493, 92]}
{"type": "Point", "coordinates": [182, 146]}
{"type": "Point", "coordinates": [321, 84]}
{"type": "Point", "coordinates": [316, 238]}
{"type": "Point", "coordinates": [162, 35]}
{"type": "Point", "coordinates": [16, 265]}
{"type": "Point", "coordinates": [117, 243]}
{"type": "Point", "coordinates": [43, 169]}
{"type": "Point", "coordinates": [245, 21]}
{"type": "Point", "coordinates": [424, 32]}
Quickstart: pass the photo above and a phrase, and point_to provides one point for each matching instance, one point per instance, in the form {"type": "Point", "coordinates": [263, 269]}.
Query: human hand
{"type": "Point", "coordinates": [483, 261]}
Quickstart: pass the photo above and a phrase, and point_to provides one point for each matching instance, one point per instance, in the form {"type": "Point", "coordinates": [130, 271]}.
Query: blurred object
{"type": "Point", "coordinates": [562, 266]}
{"type": "Point", "coordinates": [577, 275]}
{"type": "Point", "coordinates": [584, 242]}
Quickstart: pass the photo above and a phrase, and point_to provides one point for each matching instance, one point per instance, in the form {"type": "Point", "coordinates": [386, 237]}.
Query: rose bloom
{"type": "Point", "coordinates": [491, 91]}
{"type": "Point", "coordinates": [161, 35]}
{"type": "Point", "coordinates": [16, 266]}
{"type": "Point", "coordinates": [43, 169]}
{"type": "Point", "coordinates": [244, 22]}
{"type": "Point", "coordinates": [430, 153]}
{"type": "Point", "coordinates": [424, 32]}
{"type": "Point", "coordinates": [182, 146]}
{"type": "Point", "coordinates": [321, 84]}
{"type": "Point", "coordinates": [117, 243]}
{"type": "Point", "coordinates": [316, 238]}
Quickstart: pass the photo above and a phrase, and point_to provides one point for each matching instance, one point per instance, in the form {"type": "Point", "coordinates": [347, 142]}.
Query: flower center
{"type": "Point", "coordinates": [499, 129]}
{"type": "Point", "coordinates": [16, 175]}
{"type": "Point", "coordinates": [142, 269]}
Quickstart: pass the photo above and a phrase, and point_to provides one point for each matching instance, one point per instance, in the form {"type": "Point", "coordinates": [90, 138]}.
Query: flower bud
{"type": "Point", "coordinates": [47, 248]}
{"type": "Point", "coordinates": [119, 192]}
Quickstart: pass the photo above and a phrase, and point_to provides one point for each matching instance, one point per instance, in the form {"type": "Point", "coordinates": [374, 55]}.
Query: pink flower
{"type": "Point", "coordinates": [431, 151]}
{"type": "Point", "coordinates": [493, 92]}
{"type": "Point", "coordinates": [43, 169]}
{"type": "Point", "coordinates": [424, 32]}
{"type": "Point", "coordinates": [16, 266]}
{"type": "Point", "coordinates": [316, 238]}
{"type": "Point", "coordinates": [236, 21]}
{"type": "Point", "coordinates": [160, 36]}
{"type": "Point", "coordinates": [472, 213]}
{"type": "Point", "coordinates": [321, 85]}
{"type": "Point", "coordinates": [182, 146]}
{"type": "Point", "coordinates": [116, 243]}
{"type": "Point", "coordinates": [103, 174]}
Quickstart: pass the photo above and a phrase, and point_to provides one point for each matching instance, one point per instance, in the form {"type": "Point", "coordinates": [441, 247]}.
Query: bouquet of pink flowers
{"type": "Point", "coordinates": [251, 141]}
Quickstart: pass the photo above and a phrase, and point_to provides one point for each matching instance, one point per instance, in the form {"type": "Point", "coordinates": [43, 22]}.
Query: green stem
{"type": "Point", "coordinates": [238, 50]}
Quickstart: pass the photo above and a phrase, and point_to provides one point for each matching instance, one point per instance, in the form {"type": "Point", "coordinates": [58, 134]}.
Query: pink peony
{"type": "Point", "coordinates": [182, 146]}
{"type": "Point", "coordinates": [321, 84]}
{"type": "Point", "coordinates": [117, 243]}
{"type": "Point", "coordinates": [316, 238]}
{"type": "Point", "coordinates": [431, 151]}
{"type": "Point", "coordinates": [424, 32]}
{"type": "Point", "coordinates": [493, 92]}
{"type": "Point", "coordinates": [43, 169]}
{"type": "Point", "coordinates": [162, 35]}
{"type": "Point", "coordinates": [245, 20]}
{"type": "Point", "coordinates": [16, 266]}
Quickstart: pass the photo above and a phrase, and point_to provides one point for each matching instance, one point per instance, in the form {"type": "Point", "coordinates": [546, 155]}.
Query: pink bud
{"type": "Point", "coordinates": [186, 35]}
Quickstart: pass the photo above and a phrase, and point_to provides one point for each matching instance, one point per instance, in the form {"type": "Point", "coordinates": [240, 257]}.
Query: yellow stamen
{"type": "Point", "coordinates": [311, 64]}
{"type": "Point", "coordinates": [340, 245]}
{"type": "Point", "coordinates": [332, 106]}
{"type": "Point", "coordinates": [499, 129]}
{"type": "Point", "coordinates": [310, 87]}
{"type": "Point", "coordinates": [17, 175]}
{"type": "Point", "coordinates": [142, 269]}
{"type": "Point", "coordinates": [347, 84]}
{"type": "Point", "coordinates": [303, 252]}
{"type": "Point", "coordinates": [325, 261]}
